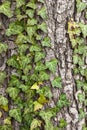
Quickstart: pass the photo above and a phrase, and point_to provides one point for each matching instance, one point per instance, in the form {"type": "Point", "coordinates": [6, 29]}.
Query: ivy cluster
{"type": "Point", "coordinates": [26, 88]}
{"type": "Point", "coordinates": [78, 34]}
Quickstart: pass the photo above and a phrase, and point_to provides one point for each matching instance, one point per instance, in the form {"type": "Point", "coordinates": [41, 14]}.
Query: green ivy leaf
{"type": "Point", "coordinates": [31, 5]}
{"type": "Point", "coordinates": [35, 123]}
{"type": "Point", "coordinates": [31, 31]}
{"type": "Point", "coordinates": [16, 114]}
{"type": "Point", "coordinates": [52, 64]}
{"type": "Point", "coordinates": [23, 87]}
{"type": "Point", "coordinates": [19, 3]}
{"type": "Point", "coordinates": [46, 42]}
{"type": "Point", "coordinates": [3, 101]}
{"type": "Point", "coordinates": [5, 9]}
{"type": "Point", "coordinates": [42, 1]}
{"type": "Point", "coordinates": [42, 13]}
{"type": "Point", "coordinates": [75, 59]}
{"type": "Point", "coordinates": [80, 5]}
{"type": "Point", "coordinates": [30, 13]}
{"type": "Point", "coordinates": [57, 82]}
{"type": "Point", "coordinates": [84, 29]}
{"type": "Point", "coordinates": [43, 76]}
{"type": "Point", "coordinates": [81, 114]}
{"type": "Point", "coordinates": [22, 48]}
{"type": "Point", "coordinates": [81, 97]}
{"type": "Point", "coordinates": [31, 22]}
{"type": "Point", "coordinates": [35, 48]}
{"type": "Point", "coordinates": [45, 90]}
{"type": "Point", "coordinates": [43, 27]}
{"type": "Point", "coordinates": [21, 39]}
{"type": "Point", "coordinates": [39, 56]}
{"type": "Point", "coordinates": [2, 76]}
{"type": "Point", "coordinates": [14, 28]}
{"type": "Point", "coordinates": [39, 66]}
{"type": "Point", "coordinates": [13, 92]}
{"type": "Point", "coordinates": [5, 127]}
{"type": "Point", "coordinates": [62, 123]}
{"type": "Point", "coordinates": [3, 47]}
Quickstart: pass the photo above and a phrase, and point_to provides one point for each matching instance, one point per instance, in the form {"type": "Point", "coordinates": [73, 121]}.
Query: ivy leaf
{"type": "Point", "coordinates": [30, 13]}
{"type": "Point", "coordinates": [81, 114]}
{"type": "Point", "coordinates": [75, 59]}
{"type": "Point", "coordinates": [84, 29]}
{"type": "Point", "coordinates": [42, 99]}
{"type": "Point", "coordinates": [13, 92]}
{"type": "Point", "coordinates": [23, 87]}
{"type": "Point", "coordinates": [35, 86]}
{"type": "Point", "coordinates": [39, 67]}
{"type": "Point", "coordinates": [43, 76]}
{"type": "Point", "coordinates": [62, 123]}
{"type": "Point", "coordinates": [80, 6]}
{"type": "Point", "coordinates": [19, 3]}
{"type": "Point", "coordinates": [5, 127]}
{"type": "Point", "coordinates": [2, 76]}
{"type": "Point", "coordinates": [7, 121]}
{"type": "Point", "coordinates": [42, 13]}
{"type": "Point", "coordinates": [31, 31]}
{"type": "Point", "coordinates": [3, 47]}
{"type": "Point", "coordinates": [43, 27]}
{"type": "Point", "coordinates": [52, 64]}
{"type": "Point", "coordinates": [39, 56]}
{"type": "Point", "coordinates": [46, 42]}
{"type": "Point", "coordinates": [14, 28]}
{"type": "Point", "coordinates": [31, 5]}
{"type": "Point", "coordinates": [57, 82]}
{"type": "Point", "coordinates": [63, 101]}
{"type": "Point", "coordinates": [81, 97]}
{"type": "Point", "coordinates": [3, 101]}
{"type": "Point", "coordinates": [80, 84]}
{"type": "Point", "coordinates": [31, 22]}
{"type": "Point", "coordinates": [42, 1]}
{"type": "Point", "coordinates": [21, 39]}
{"type": "Point", "coordinates": [22, 48]}
{"type": "Point", "coordinates": [5, 9]}
{"type": "Point", "coordinates": [35, 48]}
{"type": "Point", "coordinates": [45, 90]}
{"type": "Point", "coordinates": [16, 114]}
{"type": "Point", "coordinates": [37, 106]}
{"type": "Point", "coordinates": [35, 123]}
{"type": "Point", "coordinates": [5, 108]}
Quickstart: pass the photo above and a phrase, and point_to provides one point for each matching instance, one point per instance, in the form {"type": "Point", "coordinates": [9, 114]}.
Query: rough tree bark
{"type": "Point", "coordinates": [59, 12]}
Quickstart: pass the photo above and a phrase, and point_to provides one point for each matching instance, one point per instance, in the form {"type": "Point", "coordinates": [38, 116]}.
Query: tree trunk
{"type": "Point", "coordinates": [59, 13]}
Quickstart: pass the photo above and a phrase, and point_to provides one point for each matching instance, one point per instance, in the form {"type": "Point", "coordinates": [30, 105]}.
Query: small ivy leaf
{"type": "Point", "coordinates": [62, 123]}
{"type": "Point", "coordinates": [42, 13]}
{"type": "Point", "coordinates": [43, 76]}
{"type": "Point", "coordinates": [39, 56]}
{"type": "Point", "coordinates": [20, 17]}
{"type": "Point", "coordinates": [42, 1]}
{"type": "Point", "coordinates": [23, 87]}
{"type": "Point", "coordinates": [3, 101]}
{"type": "Point", "coordinates": [84, 29]}
{"type": "Point", "coordinates": [46, 42]}
{"type": "Point", "coordinates": [75, 59]}
{"type": "Point", "coordinates": [5, 127]}
{"type": "Point", "coordinates": [16, 114]}
{"type": "Point", "coordinates": [43, 27]}
{"type": "Point", "coordinates": [21, 39]}
{"type": "Point", "coordinates": [81, 114]}
{"type": "Point", "coordinates": [5, 9]}
{"type": "Point", "coordinates": [31, 22]}
{"type": "Point", "coordinates": [31, 5]}
{"type": "Point", "coordinates": [19, 3]}
{"type": "Point", "coordinates": [37, 106]}
{"type": "Point", "coordinates": [5, 108]}
{"type": "Point", "coordinates": [35, 48]}
{"type": "Point", "coordinates": [3, 47]}
{"type": "Point", "coordinates": [14, 28]}
{"type": "Point", "coordinates": [63, 101]}
{"type": "Point", "coordinates": [80, 6]}
{"type": "Point", "coordinates": [27, 69]}
{"type": "Point", "coordinates": [13, 92]}
{"type": "Point", "coordinates": [45, 90]}
{"type": "Point", "coordinates": [52, 64]}
{"type": "Point", "coordinates": [39, 67]}
{"type": "Point", "coordinates": [7, 121]}
{"type": "Point", "coordinates": [30, 13]}
{"type": "Point", "coordinates": [31, 31]}
{"type": "Point", "coordinates": [22, 48]}
{"type": "Point", "coordinates": [35, 86]}
{"type": "Point", "coordinates": [42, 99]}
{"type": "Point", "coordinates": [57, 82]}
{"type": "Point", "coordinates": [79, 84]}
{"type": "Point", "coordinates": [81, 97]}
{"type": "Point", "coordinates": [35, 123]}
{"type": "Point", "coordinates": [2, 76]}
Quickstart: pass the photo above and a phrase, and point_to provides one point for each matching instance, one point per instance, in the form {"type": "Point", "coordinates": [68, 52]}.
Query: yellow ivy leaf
{"type": "Point", "coordinates": [7, 121]}
{"type": "Point", "coordinates": [5, 108]}
{"type": "Point", "coordinates": [42, 99]}
{"type": "Point", "coordinates": [37, 106]}
{"type": "Point", "coordinates": [0, 114]}
{"type": "Point", "coordinates": [35, 86]}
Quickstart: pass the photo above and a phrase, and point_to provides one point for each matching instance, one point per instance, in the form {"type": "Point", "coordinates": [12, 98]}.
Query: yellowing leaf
{"type": "Point", "coordinates": [35, 123]}
{"type": "Point", "coordinates": [7, 121]}
{"type": "Point", "coordinates": [0, 114]}
{"type": "Point", "coordinates": [37, 106]}
{"type": "Point", "coordinates": [35, 86]}
{"type": "Point", "coordinates": [42, 99]}
{"type": "Point", "coordinates": [5, 108]}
